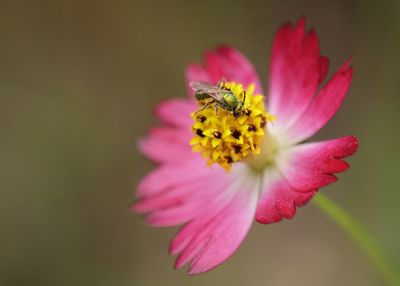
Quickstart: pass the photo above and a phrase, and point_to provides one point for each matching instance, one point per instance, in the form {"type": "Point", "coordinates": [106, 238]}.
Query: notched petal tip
{"type": "Point", "coordinates": [175, 246]}
{"type": "Point", "coordinates": [346, 66]}
{"type": "Point", "coordinates": [301, 22]}
{"type": "Point", "coordinates": [178, 264]}
{"type": "Point", "coordinates": [226, 49]}
{"type": "Point", "coordinates": [282, 34]}
{"type": "Point", "coordinates": [136, 207]}
{"type": "Point", "coordinates": [300, 27]}
{"type": "Point", "coordinates": [313, 165]}
{"type": "Point", "coordinates": [280, 201]}
{"type": "Point", "coordinates": [323, 68]}
{"type": "Point", "coordinates": [193, 271]}
{"type": "Point", "coordinates": [324, 105]}
{"type": "Point", "coordinates": [351, 146]}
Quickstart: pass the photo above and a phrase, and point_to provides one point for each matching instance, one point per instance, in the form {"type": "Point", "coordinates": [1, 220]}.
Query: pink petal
{"type": "Point", "coordinates": [279, 200]}
{"type": "Point", "coordinates": [225, 62]}
{"type": "Point", "coordinates": [176, 112]}
{"type": "Point", "coordinates": [174, 174]}
{"type": "Point", "coordinates": [182, 203]}
{"type": "Point", "coordinates": [183, 237]}
{"type": "Point", "coordinates": [166, 144]}
{"type": "Point", "coordinates": [212, 238]}
{"type": "Point", "coordinates": [174, 195]}
{"type": "Point", "coordinates": [324, 106]}
{"type": "Point", "coordinates": [302, 170]}
{"type": "Point", "coordinates": [294, 73]}
{"type": "Point", "coordinates": [217, 207]}
{"type": "Point", "coordinates": [312, 166]}
{"type": "Point", "coordinates": [195, 72]}
{"type": "Point", "coordinates": [323, 68]}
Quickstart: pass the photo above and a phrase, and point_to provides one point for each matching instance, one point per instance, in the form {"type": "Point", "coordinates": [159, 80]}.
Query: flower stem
{"type": "Point", "coordinates": [361, 236]}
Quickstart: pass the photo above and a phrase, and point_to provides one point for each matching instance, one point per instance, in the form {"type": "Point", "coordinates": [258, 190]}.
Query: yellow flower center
{"type": "Point", "coordinates": [224, 136]}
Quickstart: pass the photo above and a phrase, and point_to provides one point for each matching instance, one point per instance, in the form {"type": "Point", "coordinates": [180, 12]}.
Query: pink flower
{"type": "Point", "coordinates": [217, 207]}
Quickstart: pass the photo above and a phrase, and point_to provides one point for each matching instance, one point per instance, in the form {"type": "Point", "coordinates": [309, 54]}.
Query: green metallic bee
{"type": "Point", "coordinates": [220, 95]}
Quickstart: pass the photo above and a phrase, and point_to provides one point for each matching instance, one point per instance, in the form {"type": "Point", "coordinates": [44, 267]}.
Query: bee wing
{"type": "Point", "coordinates": [216, 96]}
{"type": "Point", "coordinates": [212, 90]}
{"type": "Point", "coordinates": [200, 85]}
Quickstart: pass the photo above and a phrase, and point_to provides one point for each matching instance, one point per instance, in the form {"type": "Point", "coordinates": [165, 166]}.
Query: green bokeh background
{"type": "Point", "coordinates": [78, 81]}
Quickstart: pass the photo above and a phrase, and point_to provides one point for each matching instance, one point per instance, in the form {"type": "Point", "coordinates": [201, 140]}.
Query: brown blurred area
{"type": "Point", "coordinates": [78, 81]}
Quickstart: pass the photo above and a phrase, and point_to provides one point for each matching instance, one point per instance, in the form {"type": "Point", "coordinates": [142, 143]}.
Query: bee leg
{"type": "Point", "coordinates": [243, 96]}
{"type": "Point", "coordinates": [204, 106]}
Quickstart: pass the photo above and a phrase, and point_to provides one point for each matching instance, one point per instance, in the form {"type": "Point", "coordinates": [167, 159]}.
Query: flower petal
{"type": "Point", "coordinates": [195, 72]}
{"type": "Point", "coordinates": [279, 200]}
{"type": "Point", "coordinates": [225, 62]}
{"type": "Point", "coordinates": [294, 73]}
{"type": "Point", "coordinates": [184, 202]}
{"type": "Point", "coordinates": [212, 238]}
{"type": "Point", "coordinates": [324, 105]}
{"type": "Point", "coordinates": [323, 68]}
{"type": "Point", "coordinates": [176, 112]}
{"type": "Point", "coordinates": [311, 166]}
{"type": "Point", "coordinates": [166, 144]}
{"type": "Point", "coordinates": [301, 171]}
{"type": "Point", "coordinates": [218, 208]}
{"type": "Point", "coordinates": [176, 173]}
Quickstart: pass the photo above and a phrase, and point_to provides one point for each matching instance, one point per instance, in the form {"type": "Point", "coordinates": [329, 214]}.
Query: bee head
{"type": "Point", "coordinates": [238, 109]}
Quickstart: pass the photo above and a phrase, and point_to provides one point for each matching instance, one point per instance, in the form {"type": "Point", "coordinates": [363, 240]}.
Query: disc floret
{"type": "Point", "coordinates": [223, 137]}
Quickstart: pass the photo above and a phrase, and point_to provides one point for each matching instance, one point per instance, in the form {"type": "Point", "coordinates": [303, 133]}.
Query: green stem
{"type": "Point", "coordinates": [361, 236]}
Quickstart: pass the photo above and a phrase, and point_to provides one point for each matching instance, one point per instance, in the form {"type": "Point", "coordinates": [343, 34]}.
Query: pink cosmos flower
{"type": "Point", "coordinates": [217, 207]}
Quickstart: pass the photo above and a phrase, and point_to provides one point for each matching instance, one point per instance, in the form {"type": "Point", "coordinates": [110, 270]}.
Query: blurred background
{"type": "Point", "coordinates": [78, 82]}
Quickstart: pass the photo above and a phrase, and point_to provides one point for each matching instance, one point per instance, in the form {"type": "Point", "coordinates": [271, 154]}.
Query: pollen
{"type": "Point", "coordinates": [224, 136]}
